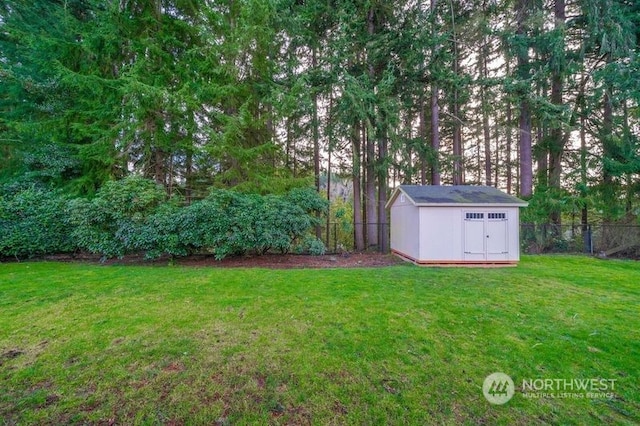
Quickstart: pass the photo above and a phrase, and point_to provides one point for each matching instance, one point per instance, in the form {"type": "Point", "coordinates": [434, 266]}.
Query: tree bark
{"type": "Point", "coordinates": [423, 141]}
{"type": "Point", "coordinates": [356, 176]}
{"type": "Point", "coordinates": [524, 122]}
{"type": "Point", "coordinates": [486, 131]}
{"type": "Point", "coordinates": [556, 145]}
{"type": "Point", "coordinates": [371, 204]}
{"type": "Point", "coordinates": [607, 178]}
{"type": "Point", "coordinates": [316, 137]}
{"type": "Point", "coordinates": [383, 231]}
{"type": "Point", "coordinates": [455, 109]}
{"type": "Point", "coordinates": [584, 216]}
{"type": "Point", "coordinates": [509, 163]}
{"type": "Point", "coordinates": [370, 159]}
{"type": "Point", "coordinates": [435, 121]}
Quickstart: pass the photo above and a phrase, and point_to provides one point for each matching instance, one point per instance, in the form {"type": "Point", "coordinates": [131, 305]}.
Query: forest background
{"type": "Point", "coordinates": [537, 97]}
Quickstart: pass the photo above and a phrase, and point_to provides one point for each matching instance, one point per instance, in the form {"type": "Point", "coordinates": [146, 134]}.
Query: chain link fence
{"type": "Point", "coordinates": [339, 237]}
{"type": "Point", "coordinates": [604, 240]}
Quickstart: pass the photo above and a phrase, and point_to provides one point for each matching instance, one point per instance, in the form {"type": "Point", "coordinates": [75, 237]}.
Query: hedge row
{"type": "Point", "coordinates": [132, 216]}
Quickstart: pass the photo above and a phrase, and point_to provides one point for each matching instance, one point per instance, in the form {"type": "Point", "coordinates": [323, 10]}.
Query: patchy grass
{"type": "Point", "coordinates": [397, 345]}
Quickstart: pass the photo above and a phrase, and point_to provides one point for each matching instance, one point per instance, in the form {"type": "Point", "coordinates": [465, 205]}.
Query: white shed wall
{"type": "Point", "coordinates": [405, 227]}
{"type": "Point", "coordinates": [441, 236]}
{"type": "Point", "coordinates": [514, 234]}
{"type": "Point", "coordinates": [442, 232]}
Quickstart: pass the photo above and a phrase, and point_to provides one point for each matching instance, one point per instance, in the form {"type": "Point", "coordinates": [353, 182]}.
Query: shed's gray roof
{"type": "Point", "coordinates": [458, 194]}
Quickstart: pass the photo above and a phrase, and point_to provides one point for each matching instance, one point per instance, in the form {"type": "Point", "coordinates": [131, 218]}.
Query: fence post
{"type": "Point", "coordinates": [588, 242]}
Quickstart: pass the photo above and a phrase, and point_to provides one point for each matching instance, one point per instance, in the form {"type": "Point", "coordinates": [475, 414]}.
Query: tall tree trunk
{"type": "Point", "coordinates": [455, 109]}
{"type": "Point", "coordinates": [630, 190]}
{"type": "Point", "coordinates": [486, 132]}
{"type": "Point", "coordinates": [522, 10]}
{"type": "Point", "coordinates": [479, 163]}
{"type": "Point", "coordinates": [358, 233]}
{"type": "Point", "coordinates": [316, 136]}
{"type": "Point", "coordinates": [556, 145]}
{"type": "Point", "coordinates": [496, 166]}
{"type": "Point", "coordinates": [371, 204]}
{"type": "Point", "coordinates": [435, 137]}
{"type": "Point", "coordinates": [423, 141]}
{"type": "Point", "coordinates": [435, 121]}
{"type": "Point", "coordinates": [458, 170]}
{"type": "Point", "coordinates": [328, 230]}
{"type": "Point", "coordinates": [484, 104]}
{"type": "Point", "coordinates": [509, 163]}
{"type": "Point", "coordinates": [526, 167]}
{"type": "Point", "coordinates": [609, 196]}
{"type": "Point", "coordinates": [542, 153]}
{"type": "Point", "coordinates": [188, 175]}
{"type": "Point", "coordinates": [383, 187]}
{"type": "Point", "coordinates": [370, 160]}
{"type": "Point", "coordinates": [288, 143]}
{"type": "Point", "coordinates": [408, 175]}
{"type": "Point", "coordinates": [584, 216]}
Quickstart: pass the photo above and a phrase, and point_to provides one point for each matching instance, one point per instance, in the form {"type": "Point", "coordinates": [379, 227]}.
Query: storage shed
{"type": "Point", "coordinates": [455, 225]}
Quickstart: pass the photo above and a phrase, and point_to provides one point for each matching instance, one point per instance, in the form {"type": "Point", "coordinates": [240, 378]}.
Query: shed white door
{"type": "Point", "coordinates": [485, 236]}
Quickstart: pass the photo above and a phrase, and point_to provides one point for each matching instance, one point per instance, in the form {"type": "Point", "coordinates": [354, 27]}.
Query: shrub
{"type": "Point", "coordinates": [34, 221]}
{"type": "Point", "coordinates": [232, 223]}
{"type": "Point", "coordinates": [132, 216]}
{"type": "Point", "coordinates": [113, 223]}
{"type": "Point", "coordinates": [311, 245]}
{"type": "Point", "coordinates": [228, 223]}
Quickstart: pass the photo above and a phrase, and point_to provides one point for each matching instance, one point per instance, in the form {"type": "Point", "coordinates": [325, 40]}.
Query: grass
{"type": "Point", "coordinates": [83, 343]}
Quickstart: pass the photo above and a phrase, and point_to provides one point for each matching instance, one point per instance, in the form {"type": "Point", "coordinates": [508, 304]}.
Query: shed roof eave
{"type": "Point", "coordinates": [394, 195]}
{"type": "Point", "coordinates": [496, 205]}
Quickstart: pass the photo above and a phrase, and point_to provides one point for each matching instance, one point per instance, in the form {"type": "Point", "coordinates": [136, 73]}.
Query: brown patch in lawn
{"type": "Point", "coordinates": [49, 400]}
{"type": "Point", "coordinates": [288, 261]}
{"type": "Point", "coordinates": [174, 367]}
{"type": "Point", "coordinates": [270, 261]}
{"type": "Point", "coordinates": [10, 354]}
{"type": "Point", "coordinates": [339, 408]}
{"type": "Point", "coordinates": [261, 381]}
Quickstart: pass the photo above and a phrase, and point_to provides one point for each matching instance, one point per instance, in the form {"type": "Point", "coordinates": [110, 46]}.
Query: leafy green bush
{"type": "Point", "coordinates": [33, 221]}
{"type": "Point", "coordinates": [132, 216]}
{"type": "Point", "coordinates": [112, 223]}
{"type": "Point", "coordinates": [312, 245]}
{"type": "Point", "coordinates": [228, 223]}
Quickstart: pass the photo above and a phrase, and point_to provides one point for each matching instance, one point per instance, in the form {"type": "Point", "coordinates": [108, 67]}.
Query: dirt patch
{"type": "Point", "coordinates": [174, 367]}
{"type": "Point", "coordinates": [49, 400]}
{"type": "Point", "coordinates": [11, 353]}
{"type": "Point", "coordinates": [271, 261]}
{"type": "Point", "coordinates": [297, 261]}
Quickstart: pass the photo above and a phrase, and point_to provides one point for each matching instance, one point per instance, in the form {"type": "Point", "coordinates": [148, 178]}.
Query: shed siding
{"type": "Point", "coordinates": [442, 232]}
{"type": "Point", "coordinates": [441, 237]}
{"type": "Point", "coordinates": [514, 234]}
{"type": "Point", "coordinates": [405, 226]}
{"type": "Point", "coordinates": [446, 231]}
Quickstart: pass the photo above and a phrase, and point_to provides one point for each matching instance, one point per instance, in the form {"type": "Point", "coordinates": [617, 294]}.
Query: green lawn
{"type": "Point", "coordinates": [84, 343]}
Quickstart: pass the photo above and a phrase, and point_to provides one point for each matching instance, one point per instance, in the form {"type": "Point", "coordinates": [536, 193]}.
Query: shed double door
{"type": "Point", "coordinates": [485, 235]}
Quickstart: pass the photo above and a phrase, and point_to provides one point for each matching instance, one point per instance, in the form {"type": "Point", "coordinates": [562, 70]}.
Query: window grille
{"type": "Point", "coordinates": [497, 215]}
{"type": "Point", "coordinates": [474, 216]}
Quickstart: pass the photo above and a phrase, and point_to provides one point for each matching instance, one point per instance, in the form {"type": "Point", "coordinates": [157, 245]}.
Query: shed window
{"type": "Point", "coordinates": [470, 216]}
{"type": "Point", "coordinates": [497, 215]}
